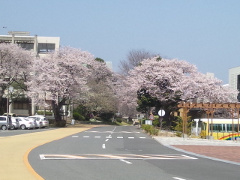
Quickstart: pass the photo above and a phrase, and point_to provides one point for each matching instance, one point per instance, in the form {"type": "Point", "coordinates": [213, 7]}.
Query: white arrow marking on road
{"type": "Point", "coordinates": [125, 161]}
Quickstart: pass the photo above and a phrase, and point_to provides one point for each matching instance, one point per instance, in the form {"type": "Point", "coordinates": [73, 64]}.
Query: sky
{"type": "Point", "coordinates": [205, 33]}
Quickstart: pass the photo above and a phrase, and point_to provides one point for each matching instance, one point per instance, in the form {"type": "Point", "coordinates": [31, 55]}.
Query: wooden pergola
{"type": "Point", "coordinates": [209, 108]}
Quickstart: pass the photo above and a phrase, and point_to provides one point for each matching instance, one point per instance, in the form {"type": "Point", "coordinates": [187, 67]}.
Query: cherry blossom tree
{"type": "Point", "coordinates": [15, 64]}
{"type": "Point", "coordinates": [62, 76]}
{"type": "Point", "coordinates": [172, 81]}
{"type": "Point", "coordinates": [101, 98]}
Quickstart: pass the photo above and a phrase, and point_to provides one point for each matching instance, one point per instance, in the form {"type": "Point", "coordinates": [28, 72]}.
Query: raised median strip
{"type": "Point", "coordinates": [14, 151]}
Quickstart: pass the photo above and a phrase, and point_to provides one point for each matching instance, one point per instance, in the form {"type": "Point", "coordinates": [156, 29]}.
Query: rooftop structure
{"type": "Point", "coordinates": [39, 44]}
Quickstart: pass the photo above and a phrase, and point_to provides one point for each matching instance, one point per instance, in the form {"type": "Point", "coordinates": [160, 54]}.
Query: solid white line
{"type": "Point", "coordinates": [125, 161]}
{"type": "Point", "coordinates": [177, 178]}
{"type": "Point", "coordinates": [104, 146]}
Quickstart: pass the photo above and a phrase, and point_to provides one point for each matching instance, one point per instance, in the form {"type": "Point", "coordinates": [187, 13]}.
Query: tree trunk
{"type": "Point", "coordinates": [57, 113]}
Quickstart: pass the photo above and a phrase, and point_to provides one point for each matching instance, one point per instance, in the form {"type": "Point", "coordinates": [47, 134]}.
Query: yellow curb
{"type": "Point", "coordinates": [14, 151]}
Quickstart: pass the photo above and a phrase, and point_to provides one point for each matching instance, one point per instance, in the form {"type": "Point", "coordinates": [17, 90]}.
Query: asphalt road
{"type": "Point", "coordinates": [122, 153]}
{"type": "Point", "coordinates": [5, 133]}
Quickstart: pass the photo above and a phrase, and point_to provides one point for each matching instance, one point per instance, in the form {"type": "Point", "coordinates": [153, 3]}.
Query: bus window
{"type": "Point", "coordinates": [236, 127]}
{"type": "Point", "coordinates": [229, 127]}
{"type": "Point", "coordinates": [216, 127]}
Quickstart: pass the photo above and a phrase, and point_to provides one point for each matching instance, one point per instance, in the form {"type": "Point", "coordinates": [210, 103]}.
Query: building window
{"type": "Point", "coordinates": [45, 47]}
{"type": "Point", "coordinates": [27, 46]}
{"type": "Point", "coordinates": [20, 105]}
{"type": "Point", "coordinates": [238, 87]}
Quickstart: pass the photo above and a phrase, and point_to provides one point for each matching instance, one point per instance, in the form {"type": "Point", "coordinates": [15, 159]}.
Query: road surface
{"type": "Point", "coordinates": [122, 153]}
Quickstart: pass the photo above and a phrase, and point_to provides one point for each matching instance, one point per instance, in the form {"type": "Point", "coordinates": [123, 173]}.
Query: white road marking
{"type": "Point", "coordinates": [114, 129]}
{"type": "Point", "coordinates": [142, 137]}
{"type": "Point", "coordinates": [109, 137]}
{"type": "Point", "coordinates": [104, 146]}
{"type": "Point", "coordinates": [130, 137]}
{"type": "Point", "coordinates": [115, 156]}
{"type": "Point", "coordinates": [177, 178]}
{"type": "Point", "coordinates": [74, 136]}
{"type": "Point", "coordinates": [97, 136]}
{"type": "Point", "coordinates": [119, 137]}
{"type": "Point", "coordinates": [128, 162]}
{"type": "Point", "coordinates": [86, 136]}
{"type": "Point", "coordinates": [112, 132]}
{"type": "Point", "coordinates": [107, 140]}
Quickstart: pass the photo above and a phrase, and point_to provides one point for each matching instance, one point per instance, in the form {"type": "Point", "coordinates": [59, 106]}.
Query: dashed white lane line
{"type": "Point", "coordinates": [142, 137]}
{"type": "Point", "coordinates": [74, 136]}
{"type": "Point", "coordinates": [86, 136]}
{"type": "Point", "coordinates": [104, 146]}
{"type": "Point", "coordinates": [97, 136]}
{"type": "Point", "coordinates": [107, 140]}
{"type": "Point", "coordinates": [130, 137]}
{"type": "Point", "coordinates": [119, 137]}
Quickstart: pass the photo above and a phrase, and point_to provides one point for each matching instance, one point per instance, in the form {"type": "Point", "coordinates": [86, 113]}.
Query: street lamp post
{"type": "Point", "coordinates": [10, 89]}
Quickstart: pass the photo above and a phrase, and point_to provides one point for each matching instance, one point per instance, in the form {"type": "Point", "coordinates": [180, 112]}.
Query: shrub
{"type": "Point", "coordinates": [150, 129]}
{"type": "Point", "coordinates": [46, 113]}
{"type": "Point", "coordinates": [156, 122]}
{"type": "Point", "coordinates": [119, 120]}
{"type": "Point", "coordinates": [78, 116]}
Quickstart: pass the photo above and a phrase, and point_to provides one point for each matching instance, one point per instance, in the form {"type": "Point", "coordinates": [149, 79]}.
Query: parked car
{"type": "Point", "coordinates": [10, 114]}
{"type": "Point", "coordinates": [26, 123]}
{"type": "Point", "coordinates": [15, 123]}
{"type": "Point", "coordinates": [5, 123]}
{"type": "Point", "coordinates": [41, 118]}
{"type": "Point", "coordinates": [37, 125]}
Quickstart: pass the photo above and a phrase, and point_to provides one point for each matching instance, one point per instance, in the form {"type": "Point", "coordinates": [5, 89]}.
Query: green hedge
{"type": "Point", "coordinates": [150, 129]}
{"type": "Point", "coordinates": [78, 116]}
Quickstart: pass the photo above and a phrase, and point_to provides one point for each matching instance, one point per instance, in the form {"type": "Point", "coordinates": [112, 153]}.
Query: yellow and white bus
{"type": "Point", "coordinates": [221, 129]}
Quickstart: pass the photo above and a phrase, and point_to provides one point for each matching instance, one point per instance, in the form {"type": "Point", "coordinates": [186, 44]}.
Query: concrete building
{"type": "Point", "coordinates": [234, 79]}
{"type": "Point", "coordinates": [38, 44]}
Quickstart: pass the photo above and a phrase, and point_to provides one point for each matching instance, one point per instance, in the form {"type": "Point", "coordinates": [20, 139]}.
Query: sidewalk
{"type": "Point", "coordinates": [14, 151]}
{"type": "Point", "coordinates": [221, 150]}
